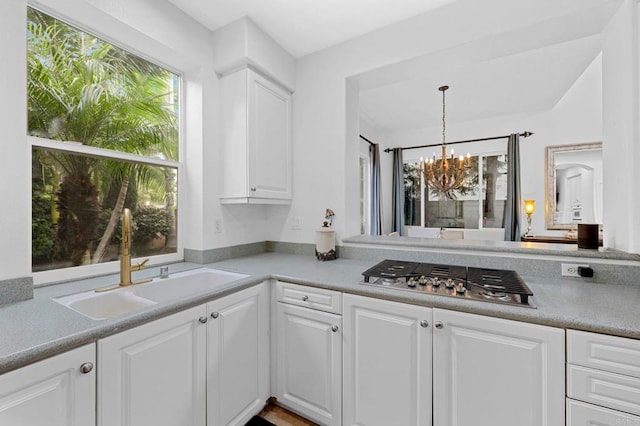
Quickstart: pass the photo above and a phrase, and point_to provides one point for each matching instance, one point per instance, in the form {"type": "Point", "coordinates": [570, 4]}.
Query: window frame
{"type": "Point", "coordinates": [481, 156]}
{"type": "Point", "coordinates": [43, 278]}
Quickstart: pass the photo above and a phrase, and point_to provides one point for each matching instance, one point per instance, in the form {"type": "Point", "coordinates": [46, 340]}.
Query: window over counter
{"type": "Point", "coordinates": [103, 127]}
{"type": "Point", "coordinates": [478, 204]}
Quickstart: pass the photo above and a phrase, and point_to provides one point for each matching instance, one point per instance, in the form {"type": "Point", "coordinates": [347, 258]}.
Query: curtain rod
{"type": "Point", "coordinates": [366, 140]}
{"type": "Point", "coordinates": [525, 134]}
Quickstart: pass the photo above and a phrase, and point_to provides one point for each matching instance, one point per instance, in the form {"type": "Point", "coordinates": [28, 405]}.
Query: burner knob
{"type": "Point", "coordinates": [449, 283]}
{"type": "Point", "coordinates": [435, 282]}
{"type": "Point", "coordinates": [411, 282]}
{"type": "Point", "coordinates": [423, 280]}
{"type": "Point", "coordinates": [460, 289]}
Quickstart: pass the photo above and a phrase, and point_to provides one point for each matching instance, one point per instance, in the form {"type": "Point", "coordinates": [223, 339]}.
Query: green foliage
{"type": "Point", "coordinates": [151, 222]}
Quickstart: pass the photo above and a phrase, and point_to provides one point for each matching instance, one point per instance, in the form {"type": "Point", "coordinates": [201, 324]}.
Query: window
{"type": "Point", "coordinates": [103, 126]}
{"type": "Point", "coordinates": [473, 206]}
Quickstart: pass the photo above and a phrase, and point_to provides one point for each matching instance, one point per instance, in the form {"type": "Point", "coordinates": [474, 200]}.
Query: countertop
{"type": "Point", "coordinates": [38, 328]}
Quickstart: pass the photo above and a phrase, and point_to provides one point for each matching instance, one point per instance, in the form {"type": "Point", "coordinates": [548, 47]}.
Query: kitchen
{"type": "Point", "coordinates": [325, 116]}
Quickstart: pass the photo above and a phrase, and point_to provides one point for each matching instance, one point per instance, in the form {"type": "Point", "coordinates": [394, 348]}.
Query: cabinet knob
{"type": "Point", "coordinates": [86, 368]}
{"type": "Point", "coordinates": [253, 189]}
{"type": "Point", "coordinates": [203, 320]}
{"type": "Point", "coordinates": [424, 323]}
{"type": "Point", "coordinates": [215, 315]}
{"type": "Point", "coordinates": [439, 325]}
{"type": "Point", "coordinates": [334, 328]}
{"type": "Point", "coordinates": [305, 298]}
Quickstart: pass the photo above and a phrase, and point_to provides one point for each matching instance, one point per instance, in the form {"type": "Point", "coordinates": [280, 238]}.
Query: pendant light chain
{"type": "Point", "coordinates": [444, 124]}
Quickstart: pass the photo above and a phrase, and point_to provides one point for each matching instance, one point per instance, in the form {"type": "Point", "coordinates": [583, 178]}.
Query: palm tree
{"type": "Point", "coordinates": [83, 90]}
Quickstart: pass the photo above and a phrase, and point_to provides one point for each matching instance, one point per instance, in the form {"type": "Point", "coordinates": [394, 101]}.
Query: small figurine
{"type": "Point", "coordinates": [328, 215]}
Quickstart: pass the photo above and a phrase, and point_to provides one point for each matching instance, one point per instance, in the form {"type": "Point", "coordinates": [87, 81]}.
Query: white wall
{"type": "Point", "coordinates": [576, 118]}
{"type": "Point", "coordinates": [621, 150]}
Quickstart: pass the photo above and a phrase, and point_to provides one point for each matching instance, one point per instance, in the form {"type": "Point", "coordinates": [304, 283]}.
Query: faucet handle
{"type": "Point", "coordinates": [139, 266]}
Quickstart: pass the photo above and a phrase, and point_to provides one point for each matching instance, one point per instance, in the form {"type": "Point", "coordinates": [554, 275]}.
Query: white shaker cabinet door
{"type": "Point", "coordinates": [490, 371]}
{"type": "Point", "coordinates": [59, 391]}
{"type": "Point", "coordinates": [238, 356]}
{"type": "Point", "coordinates": [309, 363]}
{"type": "Point", "coordinates": [155, 374]}
{"type": "Point", "coordinates": [387, 363]}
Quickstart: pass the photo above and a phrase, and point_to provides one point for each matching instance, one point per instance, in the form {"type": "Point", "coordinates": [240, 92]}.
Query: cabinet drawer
{"type": "Point", "coordinates": [311, 297]}
{"type": "Point", "coordinates": [581, 414]}
{"type": "Point", "coordinates": [603, 388]}
{"type": "Point", "coordinates": [608, 353]}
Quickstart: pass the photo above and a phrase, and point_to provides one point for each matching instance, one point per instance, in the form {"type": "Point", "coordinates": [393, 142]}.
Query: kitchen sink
{"type": "Point", "coordinates": [105, 305]}
{"type": "Point", "coordinates": [109, 304]}
{"type": "Point", "coordinates": [185, 284]}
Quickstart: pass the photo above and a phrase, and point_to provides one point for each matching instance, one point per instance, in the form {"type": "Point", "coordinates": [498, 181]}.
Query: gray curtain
{"type": "Point", "coordinates": [397, 194]}
{"type": "Point", "coordinates": [514, 198]}
{"type": "Point", "coordinates": [376, 209]}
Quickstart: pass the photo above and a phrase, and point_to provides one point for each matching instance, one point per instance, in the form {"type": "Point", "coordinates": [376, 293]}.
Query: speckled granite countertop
{"type": "Point", "coordinates": [39, 328]}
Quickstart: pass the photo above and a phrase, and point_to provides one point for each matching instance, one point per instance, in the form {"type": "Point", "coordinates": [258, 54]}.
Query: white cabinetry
{"type": "Point", "coordinates": [309, 352]}
{"type": "Point", "coordinates": [155, 374]}
{"type": "Point", "coordinates": [605, 371]}
{"type": "Point", "coordinates": [59, 391]}
{"type": "Point", "coordinates": [496, 372]}
{"type": "Point", "coordinates": [238, 356]}
{"type": "Point", "coordinates": [255, 119]}
{"type": "Point", "coordinates": [387, 363]}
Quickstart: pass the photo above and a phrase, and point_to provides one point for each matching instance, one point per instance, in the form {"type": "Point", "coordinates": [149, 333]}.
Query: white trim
{"type": "Point", "coordinates": [79, 149]}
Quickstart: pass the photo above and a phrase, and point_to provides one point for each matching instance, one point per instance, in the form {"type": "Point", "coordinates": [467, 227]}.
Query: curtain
{"type": "Point", "coordinates": [512, 208]}
{"type": "Point", "coordinates": [376, 206]}
{"type": "Point", "coordinates": [397, 194]}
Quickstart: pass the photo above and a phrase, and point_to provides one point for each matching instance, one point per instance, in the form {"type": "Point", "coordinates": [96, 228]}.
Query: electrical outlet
{"type": "Point", "coordinates": [217, 226]}
{"type": "Point", "coordinates": [295, 223]}
{"type": "Point", "coordinates": [571, 269]}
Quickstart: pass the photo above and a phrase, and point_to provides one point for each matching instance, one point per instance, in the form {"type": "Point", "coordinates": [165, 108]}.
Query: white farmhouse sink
{"type": "Point", "coordinates": [111, 303]}
{"type": "Point", "coordinates": [104, 305]}
{"type": "Point", "coordinates": [185, 284]}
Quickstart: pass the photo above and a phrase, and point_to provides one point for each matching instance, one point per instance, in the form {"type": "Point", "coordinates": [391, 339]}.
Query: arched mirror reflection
{"type": "Point", "coordinates": [574, 185]}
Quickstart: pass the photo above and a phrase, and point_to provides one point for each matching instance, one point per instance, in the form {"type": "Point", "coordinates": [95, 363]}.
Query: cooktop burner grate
{"type": "Point", "coordinates": [469, 282]}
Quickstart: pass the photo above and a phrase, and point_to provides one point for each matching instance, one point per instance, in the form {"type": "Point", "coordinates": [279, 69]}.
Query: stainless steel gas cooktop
{"type": "Point", "coordinates": [490, 285]}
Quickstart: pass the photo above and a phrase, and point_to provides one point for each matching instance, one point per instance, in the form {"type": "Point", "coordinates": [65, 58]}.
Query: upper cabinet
{"type": "Point", "coordinates": [256, 135]}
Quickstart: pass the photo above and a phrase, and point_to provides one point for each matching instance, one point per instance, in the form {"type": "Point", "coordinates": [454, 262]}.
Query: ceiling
{"type": "Point", "coordinates": [305, 26]}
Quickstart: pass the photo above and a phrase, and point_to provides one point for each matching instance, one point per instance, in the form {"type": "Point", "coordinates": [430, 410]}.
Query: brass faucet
{"type": "Point", "coordinates": [125, 257]}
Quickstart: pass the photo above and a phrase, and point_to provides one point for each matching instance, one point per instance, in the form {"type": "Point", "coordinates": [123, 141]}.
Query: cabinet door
{"type": "Point", "coordinates": [309, 363]}
{"type": "Point", "coordinates": [154, 374]}
{"type": "Point", "coordinates": [496, 372]}
{"type": "Point", "coordinates": [238, 356]}
{"type": "Point", "coordinates": [269, 139]}
{"type": "Point", "coordinates": [387, 363]}
{"type": "Point", "coordinates": [53, 392]}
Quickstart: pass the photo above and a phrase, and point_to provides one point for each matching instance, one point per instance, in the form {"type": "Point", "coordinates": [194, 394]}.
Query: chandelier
{"type": "Point", "coordinates": [445, 174]}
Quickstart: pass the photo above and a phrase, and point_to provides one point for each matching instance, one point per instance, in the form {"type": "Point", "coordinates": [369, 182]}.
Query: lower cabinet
{"type": "Point", "coordinates": [155, 374]}
{"type": "Point", "coordinates": [238, 356]}
{"type": "Point", "coordinates": [208, 365]}
{"type": "Point", "coordinates": [59, 391]}
{"type": "Point", "coordinates": [496, 372]}
{"type": "Point", "coordinates": [387, 363]}
{"type": "Point", "coordinates": [309, 362]}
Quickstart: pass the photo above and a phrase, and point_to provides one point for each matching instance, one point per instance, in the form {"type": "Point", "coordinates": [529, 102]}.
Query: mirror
{"type": "Point", "coordinates": [573, 185]}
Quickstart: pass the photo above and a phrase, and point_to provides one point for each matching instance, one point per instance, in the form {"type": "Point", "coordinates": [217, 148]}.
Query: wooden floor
{"type": "Point", "coordinates": [281, 417]}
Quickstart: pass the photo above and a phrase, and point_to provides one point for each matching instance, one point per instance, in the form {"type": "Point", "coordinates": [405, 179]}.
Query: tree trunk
{"type": "Point", "coordinates": [113, 222]}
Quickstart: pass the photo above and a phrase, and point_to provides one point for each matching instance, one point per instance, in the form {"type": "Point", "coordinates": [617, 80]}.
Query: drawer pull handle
{"type": "Point", "coordinates": [334, 328]}
{"type": "Point", "coordinates": [305, 298]}
{"type": "Point", "coordinates": [86, 368]}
